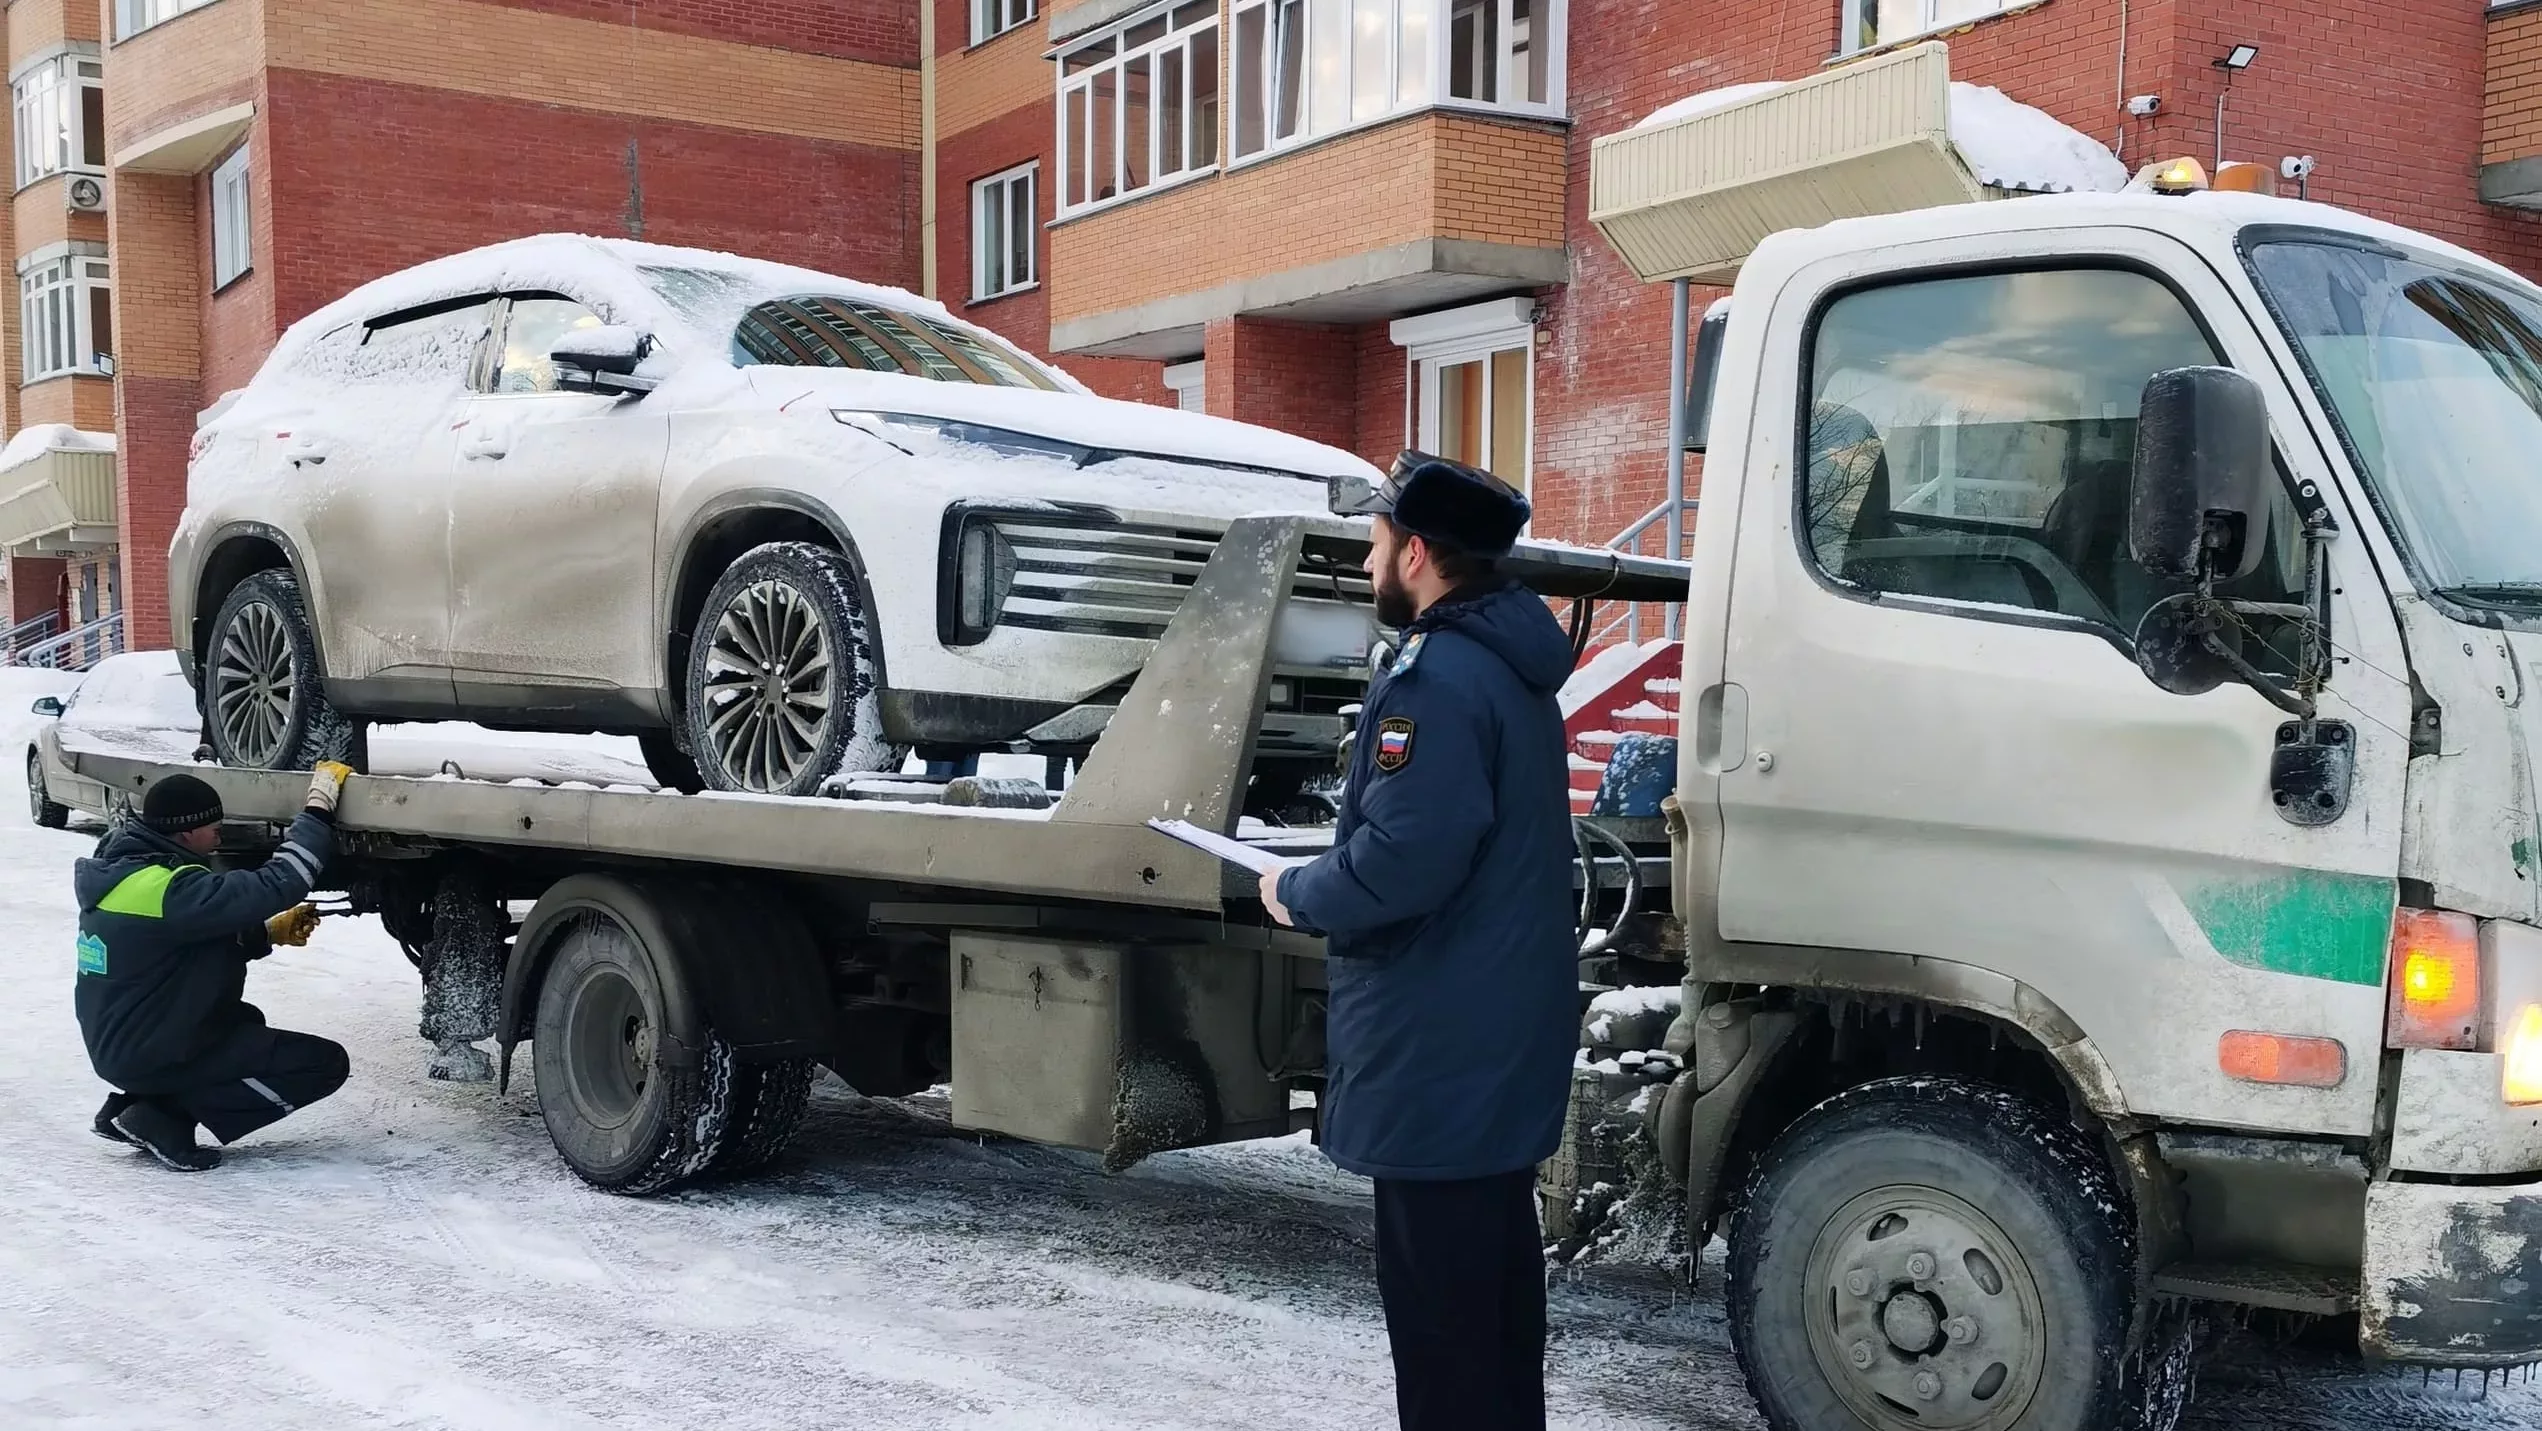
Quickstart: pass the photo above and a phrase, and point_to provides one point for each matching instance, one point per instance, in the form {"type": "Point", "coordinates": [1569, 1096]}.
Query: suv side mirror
{"type": "Point", "coordinates": [2198, 500]}
{"type": "Point", "coordinates": [48, 706]}
{"type": "Point", "coordinates": [602, 359]}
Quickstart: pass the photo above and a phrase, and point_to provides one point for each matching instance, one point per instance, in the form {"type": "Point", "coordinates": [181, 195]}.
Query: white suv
{"type": "Point", "coordinates": [777, 524]}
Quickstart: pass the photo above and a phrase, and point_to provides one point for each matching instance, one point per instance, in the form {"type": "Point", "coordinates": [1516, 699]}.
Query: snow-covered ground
{"type": "Point", "coordinates": [411, 1254]}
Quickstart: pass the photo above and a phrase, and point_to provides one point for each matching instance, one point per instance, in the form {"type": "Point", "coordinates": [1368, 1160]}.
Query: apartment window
{"type": "Point", "coordinates": [134, 16]}
{"type": "Point", "coordinates": [1473, 379]}
{"type": "Point", "coordinates": [1002, 232]}
{"type": "Point", "coordinates": [232, 251]}
{"type": "Point", "coordinates": [992, 18]}
{"type": "Point", "coordinates": [1188, 382]}
{"type": "Point", "coordinates": [1885, 22]}
{"type": "Point", "coordinates": [1139, 107]}
{"type": "Point", "coordinates": [61, 117]}
{"type": "Point", "coordinates": [1305, 68]}
{"type": "Point", "coordinates": [66, 312]}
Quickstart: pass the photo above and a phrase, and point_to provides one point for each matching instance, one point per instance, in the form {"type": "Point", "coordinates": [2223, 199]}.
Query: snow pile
{"type": "Point", "coordinates": [2006, 143]}
{"type": "Point", "coordinates": [33, 442]}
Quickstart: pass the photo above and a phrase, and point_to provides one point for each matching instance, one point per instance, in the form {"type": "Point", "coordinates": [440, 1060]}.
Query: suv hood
{"type": "Point", "coordinates": [1080, 419]}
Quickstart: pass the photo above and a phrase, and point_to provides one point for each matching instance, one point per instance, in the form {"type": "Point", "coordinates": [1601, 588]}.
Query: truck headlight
{"type": "Point", "coordinates": [977, 582]}
{"type": "Point", "coordinates": [2522, 1080]}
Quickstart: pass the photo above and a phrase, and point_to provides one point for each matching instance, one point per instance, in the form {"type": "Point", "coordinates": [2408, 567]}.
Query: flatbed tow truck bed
{"type": "Point", "coordinates": [1077, 977]}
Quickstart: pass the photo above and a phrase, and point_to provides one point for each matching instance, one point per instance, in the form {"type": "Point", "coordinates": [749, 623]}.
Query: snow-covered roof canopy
{"type": "Point", "coordinates": [1691, 190]}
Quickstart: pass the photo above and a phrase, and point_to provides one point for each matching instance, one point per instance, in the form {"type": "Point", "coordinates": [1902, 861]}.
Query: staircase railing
{"type": "Point", "coordinates": [1651, 527]}
{"type": "Point", "coordinates": [78, 648]}
{"type": "Point", "coordinates": [1668, 519]}
{"type": "Point", "coordinates": [40, 627]}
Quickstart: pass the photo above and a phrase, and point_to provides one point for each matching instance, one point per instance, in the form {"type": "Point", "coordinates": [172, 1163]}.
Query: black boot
{"type": "Point", "coordinates": [168, 1136]}
{"type": "Point", "coordinates": [103, 1125]}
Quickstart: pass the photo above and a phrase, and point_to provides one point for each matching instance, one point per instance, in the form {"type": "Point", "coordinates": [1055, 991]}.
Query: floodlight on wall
{"type": "Point", "coordinates": [2235, 61]}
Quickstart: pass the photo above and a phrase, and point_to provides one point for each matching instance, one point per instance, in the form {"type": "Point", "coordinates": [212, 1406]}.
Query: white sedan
{"type": "Point", "coordinates": [775, 524]}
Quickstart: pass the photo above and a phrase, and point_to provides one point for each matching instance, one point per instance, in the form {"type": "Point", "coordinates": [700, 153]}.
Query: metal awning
{"type": "Point", "coordinates": [60, 502]}
{"type": "Point", "coordinates": [1692, 199]}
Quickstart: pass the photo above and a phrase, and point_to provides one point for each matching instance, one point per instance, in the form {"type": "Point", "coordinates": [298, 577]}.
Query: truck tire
{"type": "Point", "coordinates": [39, 802]}
{"type": "Point", "coordinates": [783, 690]}
{"type": "Point", "coordinates": [1926, 1252]}
{"type": "Point", "coordinates": [623, 1118]}
{"type": "Point", "coordinates": [264, 699]}
{"type": "Point", "coordinates": [768, 1104]}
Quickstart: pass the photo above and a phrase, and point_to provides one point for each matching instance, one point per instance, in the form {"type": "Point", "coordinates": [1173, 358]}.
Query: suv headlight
{"type": "Point", "coordinates": [978, 578]}
{"type": "Point", "coordinates": [1003, 440]}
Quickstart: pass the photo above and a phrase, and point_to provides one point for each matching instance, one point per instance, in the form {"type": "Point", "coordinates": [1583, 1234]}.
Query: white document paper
{"type": "Point", "coordinates": [1234, 852]}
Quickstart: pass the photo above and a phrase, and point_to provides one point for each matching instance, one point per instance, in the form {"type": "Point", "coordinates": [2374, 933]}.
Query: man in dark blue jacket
{"type": "Point", "coordinates": [1445, 903]}
{"type": "Point", "coordinates": [164, 944]}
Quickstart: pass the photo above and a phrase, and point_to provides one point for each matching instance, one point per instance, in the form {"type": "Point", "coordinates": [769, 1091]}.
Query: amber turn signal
{"type": "Point", "coordinates": [2287, 1060]}
{"type": "Point", "coordinates": [2435, 1000]}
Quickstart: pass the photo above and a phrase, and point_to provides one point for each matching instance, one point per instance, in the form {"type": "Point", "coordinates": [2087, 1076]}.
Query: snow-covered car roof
{"type": "Point", "coordinates": [713, 291]}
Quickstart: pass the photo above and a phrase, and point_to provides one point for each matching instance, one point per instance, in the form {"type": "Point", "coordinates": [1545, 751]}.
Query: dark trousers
{"type": "Point", "coordinates": [1462, 1269]}
{"type": "Point", "coordinates": [298, 1070]}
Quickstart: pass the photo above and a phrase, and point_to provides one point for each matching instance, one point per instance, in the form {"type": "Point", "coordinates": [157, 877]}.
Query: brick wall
{"type": "Point", "coordinates": [885, 31]}
{"type": "Point", "coordinates": [2512, 120]}
{"type": "Point", "coordinates": [1424, 176]}
{"type": "Point", "coordinates": [35, 587]}
{"type": "Point", "coordinates": [85, 403]}
{"type": "Point", "coordinates": [200, 62]}
{"type": "Point", "coordinates": [38, 25]}
{"type": "Point", "coordinates": [1297, 377]}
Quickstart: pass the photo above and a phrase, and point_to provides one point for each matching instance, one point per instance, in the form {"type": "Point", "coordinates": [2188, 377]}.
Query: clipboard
{"type": "Point", "coordinates": [1210, 842]}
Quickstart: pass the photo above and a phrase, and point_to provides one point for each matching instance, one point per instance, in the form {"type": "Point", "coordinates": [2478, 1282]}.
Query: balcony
{"type": "Point", "coordinates": [1356, 163]}
{"type": "Point", "coordinates": [2511, 128]}
{"type": "Point", "coordinates": [60, 502]}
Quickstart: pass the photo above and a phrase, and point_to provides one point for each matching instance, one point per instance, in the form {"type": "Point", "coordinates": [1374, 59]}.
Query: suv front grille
{"type": "Point", "coordinates": [1123, 579]}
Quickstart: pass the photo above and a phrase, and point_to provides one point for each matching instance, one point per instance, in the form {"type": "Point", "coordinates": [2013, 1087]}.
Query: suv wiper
{"type": "Point", "coordinates": [2497, 593]}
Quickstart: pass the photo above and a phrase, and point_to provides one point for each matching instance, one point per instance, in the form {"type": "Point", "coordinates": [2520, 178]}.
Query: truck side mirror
{"type": "Point", "coordinates": [2198, 500]}
{"type": "Point", "coordinates": [1703, 376]}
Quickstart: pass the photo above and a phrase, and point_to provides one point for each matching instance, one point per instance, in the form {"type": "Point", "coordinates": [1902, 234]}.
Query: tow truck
{"type": "Point", "coordinates": [2104, 869]}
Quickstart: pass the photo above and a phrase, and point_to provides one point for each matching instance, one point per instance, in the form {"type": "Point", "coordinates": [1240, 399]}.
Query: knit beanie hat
{"type": "Point", "coordinates": [180, 803]}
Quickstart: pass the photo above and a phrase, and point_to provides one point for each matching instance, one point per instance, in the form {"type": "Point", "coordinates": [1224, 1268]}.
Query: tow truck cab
{"type": "Point", "coordinates": [2069, 717]}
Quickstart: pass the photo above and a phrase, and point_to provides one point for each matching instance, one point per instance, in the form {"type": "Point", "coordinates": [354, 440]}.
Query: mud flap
{"type": "Point", "coordinates": [2453, 1275]}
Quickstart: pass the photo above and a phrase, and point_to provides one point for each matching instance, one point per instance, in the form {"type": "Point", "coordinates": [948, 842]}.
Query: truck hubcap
{"type": "Point", "coordinates": [611, 1040]}
{"type": "Point", "coordinates": [254, 680]}
{"type": "Point", "coordinates": [770, 686]}
{"type": "Point", "coordinates": [1923, 1313]}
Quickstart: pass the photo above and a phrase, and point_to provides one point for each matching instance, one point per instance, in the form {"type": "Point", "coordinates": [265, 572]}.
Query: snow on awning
{"type": "Point", "coordinates": [1692, 190]}
{"type": "Point", "coordinates": [57, 489]}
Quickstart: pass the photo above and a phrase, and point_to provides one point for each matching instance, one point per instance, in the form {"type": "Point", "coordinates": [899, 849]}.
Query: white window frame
{"type": "Point", "coordinates": [1189, 383]}
{"type": "Point", "coordinates": [233, 220]}
{"type": "Point", "coordinates": [992, 18]}
{"type": "Point", "coordinates": [1410, 91]}
{"type": "Point", "coordinates": [57, 287]}
{"type": "Point", "coordinates": [1076, 92]}
{"type": "Point", "coordinates": [134, 16]}
{"type": "Point", "coordinates": [1855, 14]}
{"type": "Point", "coordinates": [1474, 333]}
{"type": "Point", "coordinates": [992, 202]}
{"type": "Point", "coordinates": [48, 104]}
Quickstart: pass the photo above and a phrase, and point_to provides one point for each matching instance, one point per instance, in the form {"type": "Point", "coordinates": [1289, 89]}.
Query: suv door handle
{"type": "Point", "coordinates": [483, 442]}
{"type": "Point", "coordinates": [306, 449]}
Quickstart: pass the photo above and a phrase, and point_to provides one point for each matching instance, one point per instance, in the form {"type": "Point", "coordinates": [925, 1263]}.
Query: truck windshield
{"type": "Point", "coordinates": [2434, 376]}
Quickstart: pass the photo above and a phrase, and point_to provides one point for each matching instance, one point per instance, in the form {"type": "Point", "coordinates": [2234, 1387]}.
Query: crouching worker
{"type": "Point", "coordinates": [164, 944]}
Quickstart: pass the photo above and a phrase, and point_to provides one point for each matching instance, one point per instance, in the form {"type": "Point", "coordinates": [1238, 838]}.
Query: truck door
{"type": "Point", "coordinates": [1950, 752]}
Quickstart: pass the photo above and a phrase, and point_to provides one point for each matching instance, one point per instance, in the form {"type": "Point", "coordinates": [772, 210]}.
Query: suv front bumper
{"type": "Point", "coordinates": [2453, 1275]}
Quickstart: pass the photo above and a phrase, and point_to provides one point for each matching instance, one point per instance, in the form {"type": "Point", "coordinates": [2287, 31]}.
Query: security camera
{"type": "Point", "coordinates": [2296, 166]}
{"type": "Point", "coordinates": [2145, 105]}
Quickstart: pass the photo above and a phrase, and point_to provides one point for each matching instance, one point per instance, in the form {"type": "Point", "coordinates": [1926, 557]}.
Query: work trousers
{"type": "Point", "coordinates": [1462, 1270]}
{"type": "Point", "coordinates": [296, 1071]}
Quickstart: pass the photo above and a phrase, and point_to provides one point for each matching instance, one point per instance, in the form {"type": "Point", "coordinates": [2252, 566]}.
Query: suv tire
{"type": "Point", "coordinates": [783, 690]}
{"type": "Point", "coordinates": [264, 699]}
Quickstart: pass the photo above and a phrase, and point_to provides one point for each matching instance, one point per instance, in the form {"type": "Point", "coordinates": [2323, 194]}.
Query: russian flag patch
{"type": "Point", "coordinates": [1394, 744]}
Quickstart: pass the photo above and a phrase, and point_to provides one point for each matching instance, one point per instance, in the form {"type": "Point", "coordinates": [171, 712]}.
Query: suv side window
{"type": "Point", "coordinates": [423, 345]}
{"type": "Point", "coordinates": [531, 330]}
{"type": "Point", "coordinates": [1972, 438]}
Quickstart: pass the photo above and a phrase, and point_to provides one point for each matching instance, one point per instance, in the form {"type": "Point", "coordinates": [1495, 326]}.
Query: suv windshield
{"type": "Point", "coordinates": [2434, 376]}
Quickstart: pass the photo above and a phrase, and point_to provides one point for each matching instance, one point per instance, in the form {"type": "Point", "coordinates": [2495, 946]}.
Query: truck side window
{"type": "Point", "coordinates": [1971, 439]}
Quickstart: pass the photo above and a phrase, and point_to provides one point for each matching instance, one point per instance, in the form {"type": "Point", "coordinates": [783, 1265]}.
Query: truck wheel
{"type": "Point", "coordinates": [782, 690]}
{"type": "Point", "coordinates": [622, 1116]}
{"type": "Point", "coordinates": [768, 1104]}
{"type": "Point", "coordinates": [1926, 1253]}
{"type": "Point", "coordinates": [264, 698]}
{"type": "Point", "coordinates": [40, 804]}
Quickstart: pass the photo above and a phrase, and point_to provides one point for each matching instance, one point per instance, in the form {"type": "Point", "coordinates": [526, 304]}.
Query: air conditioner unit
{"type": "Point", "coordinates": [85, 194]}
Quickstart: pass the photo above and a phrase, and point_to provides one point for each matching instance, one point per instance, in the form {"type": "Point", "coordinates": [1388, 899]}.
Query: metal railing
{"type": "Point", "coordinates": [1668, 519]}
{"type": "Point", "coordinates": [1651, 527]}
{"type": "Point", "coordinates": [35, 629]}
{"type": "Point", "coordinates": [78, 648]}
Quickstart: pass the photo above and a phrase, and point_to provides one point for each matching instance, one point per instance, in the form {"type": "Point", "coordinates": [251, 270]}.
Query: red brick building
{"type": "Point", "coordinates": [1360, 220]}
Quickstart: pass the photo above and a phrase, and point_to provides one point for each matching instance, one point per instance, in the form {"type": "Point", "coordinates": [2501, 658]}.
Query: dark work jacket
{"type": "Point", "coordinates": [1446, 903]}
{"type": "Point", "coordinates": [164, 944]}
